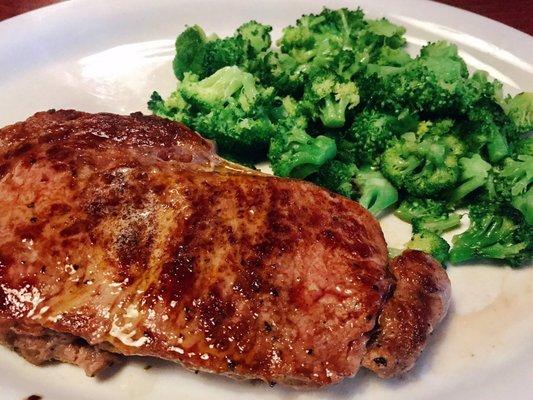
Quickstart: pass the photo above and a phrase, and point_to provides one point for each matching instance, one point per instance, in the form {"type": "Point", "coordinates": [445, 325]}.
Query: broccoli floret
{"type": "Point", "coordinates": [202, 56]}
{"type": "Point", "coordinates": [433, 82]}
{"type": "Point", "coordinates": [376, 192]}
{"type": "Point", "coordinates": [228, 84]}
{"type": "Point", "coordinates": [366, 185]}
{"type": "Point", "coordinates": [282, 72]}
{"type": "Point", "coordinates": [413, 208]}
{"type": "Point", "coordinates": [474, 174]}
{"type": "Point", "coordinates": [346, 64]}
{"type": "Point", "coordinates": [190, 52]}
{"type": "Point", "coordinates": [227, 106]}
{"type": "Point", "coordinates": [293, 152]}
{"type": "Point", "coordinates": [235, 133]}
{"type": "Point", "coordinates": [520, 110]}
{"type": "Point", "coordinates": [427, 215]}
{"type": "Point", "coordinates": [368, 136]}
{"type": "Point", "coordinates": [485, 129]}
{"type": "Point", "coordinates": [379, 34]}
{"type": "Point", "coordinates": [393, 57]}
{"type": "Point", "coordinates": [423, 167]}
{"type": "Point", "coordinates": [338, 177]}
{"type": "Point", "coordinates": [318, 38]}
{"type": "Point", "coordinates": [255, 36]}
{"type": "Point", "coordinates": [437, 224]}
{"type": "Point", "coordinates": [514, 185]}
{"type": "Point", "coordinates": [328, 97]}
{"type": "Point", "coordinates": [221, 53]}
{"type": "Point", "coordinates": [174, 108]}
{"type": "Point", "coordinates": [494, 233]}
{"type": "Point", "coordinates": [156, 104]}
{"type": "Point", "coordinates": [431, 243]}
{"type": "Point", "coordinates": [524, 146]}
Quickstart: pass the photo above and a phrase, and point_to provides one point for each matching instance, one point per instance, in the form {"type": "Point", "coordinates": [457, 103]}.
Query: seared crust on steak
{"type": "Point", "coordinates": [419, 302]}
{"type": "Point", "coordinates": [130, 233]}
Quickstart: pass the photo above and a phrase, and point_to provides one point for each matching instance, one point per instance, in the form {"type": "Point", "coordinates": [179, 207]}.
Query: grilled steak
{"type": "Point", "coordinates": [127, 234]}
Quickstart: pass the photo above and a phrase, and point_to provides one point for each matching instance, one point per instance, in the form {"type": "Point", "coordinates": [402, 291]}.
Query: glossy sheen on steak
{"type": "Point", "coordinates": [129, 235]}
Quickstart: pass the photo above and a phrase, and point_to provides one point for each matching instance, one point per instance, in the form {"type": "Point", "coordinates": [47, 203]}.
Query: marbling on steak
{"type": "Point", "coordinates": [127, 234]}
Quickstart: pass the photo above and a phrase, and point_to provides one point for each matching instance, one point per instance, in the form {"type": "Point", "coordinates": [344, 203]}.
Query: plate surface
{"type": "Point", "coordinates": [98, 55]}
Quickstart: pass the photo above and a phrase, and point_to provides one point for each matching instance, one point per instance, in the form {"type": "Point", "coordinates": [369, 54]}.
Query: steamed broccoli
{"type": "Point", "coordinates": [227, 106]}
{"type": "Point", "coordinates": [376, 192]}
{"type": "Point", "coordinates": [256, 37]}
{"type": "Point", "coordinates": [427, 215]}
{"type": "Point", "coordinates": [293, 152]}
{"type": "Point", "coordinates": [412, 208]}
{"type": "Point", "coordinates": [514, 185]}
{"type": "Point", "coordinates": [175, 108]}
{"type": "Point", "coordinates": [422, 167]}
{"type": "Point", "coordinates": [486, 131]}
{"type": "Point", "coordinates": [495, 233]}
{"type": "Point", "coordinates": [431, 243]}
{"type": "Point", "coordinates": [437, 224]}
{"type": "Point", "coordinates": [524, 147]}
{"type": "Point", "coordinates": [366, 185]}
{"type": "Point", "coordinates": [328, 97]}
{"type": "Point", "coordinates": [520, 111]}
{"type": "Point", "coordinates": [367, 137]}
{"type": "Point", "coordinates": [318, 38]}
{"type": "Point", "coordinates": [379, 34]}
{"type": "Point", "coordinates": [338, 177]}
{"type": "Point", "coordinates": [201, 55]}
{"type": "Point", "coordinates": [474, 174]}
{"type": "Point", "coordinates": [434, 82]}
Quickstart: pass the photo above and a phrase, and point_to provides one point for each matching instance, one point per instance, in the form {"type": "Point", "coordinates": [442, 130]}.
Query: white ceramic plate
{"type": "Point", "coordinates": [100, 55]}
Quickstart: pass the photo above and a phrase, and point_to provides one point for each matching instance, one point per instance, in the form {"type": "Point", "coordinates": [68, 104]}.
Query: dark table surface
{"type": "Point", "coordinates": [515, 13]}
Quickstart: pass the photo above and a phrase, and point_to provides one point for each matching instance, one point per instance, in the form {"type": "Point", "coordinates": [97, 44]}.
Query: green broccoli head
{"type": "Point", "coordinates": [422, 167]}
{"type": "Point", "coordinates": [495, 232]}
{"type": "Point", "coordinates": [413, 208]}
{"type": "Point", "coordinates": [379, 34]}
{"type": "Point", "coordinates": [392, 57]}
{"type": "Point", "coordinates": [436, 82]}
{"type": "Point", "coordinates": [474, 174]}
{"type": "Point", "coordinates": [190, 52]}
{"type": "Point", "coordinates": [295, 153]}
{"type": "Point", "coordinates": [437, 224]}
{"type": "Point", "coordinates": [338, 177]}
{"type": "Point", "coordinates": [366, 185]}
{"type": "Point", "coordinates": [174, 108]}
{"type": "Point", "coordinates": [486, 130]}
{"type": "Point", "coordinates": [328, 97]}
{"type": "Point", "coordinates": [375, 192]}
{"type": "Point", "coordinates": [203, 56]}
{"type": "Point", "coordinates": [228, 107]}
{"type": "Point", "coordinates": [523, 147]}
{"type": "Point", "coordinates": [427, 215]}
{"type": "Point", "coordinates": [319, 37]}
{"type": "Point", "coordinates": [520, 111]}
{"type": "Point", "coordinates": [282, 72]}
{"type": "Point", "coordinates": [431, 243]}
{"type": "Point", "coordinates": [224, 52]}
{"type": "Point", "coordinates": [367, 137]}
{"type": "Point", "coordinates": [227, 85]}
{"type": "Point", "coordinates": [236, 133]}
{"type": "Point", "coordinates": [255, 36]}
{"type": "Point", "coordinates": [514, 185]}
